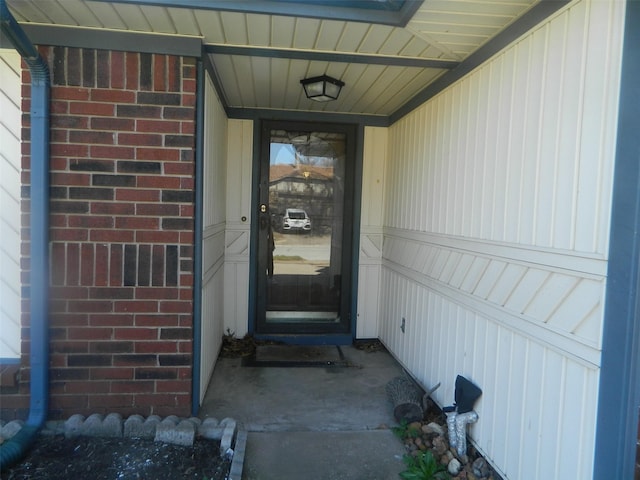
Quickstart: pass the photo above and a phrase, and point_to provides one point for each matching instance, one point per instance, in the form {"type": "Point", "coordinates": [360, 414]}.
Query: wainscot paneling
{"type": "Point", "coordinates": [537, 402]}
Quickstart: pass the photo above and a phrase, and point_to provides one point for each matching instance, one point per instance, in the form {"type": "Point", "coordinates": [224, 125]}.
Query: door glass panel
{"type": "Point", "coordinates": [304, 237]}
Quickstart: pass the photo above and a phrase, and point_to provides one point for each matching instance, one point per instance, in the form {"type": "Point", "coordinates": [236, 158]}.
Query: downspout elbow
{"type": "Point", "coordinates": [12, 450]}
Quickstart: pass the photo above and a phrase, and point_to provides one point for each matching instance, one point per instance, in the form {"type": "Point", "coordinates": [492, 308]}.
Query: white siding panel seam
{"type": "Point", "coordinates": [213, 270]}
{"type": "Point", "coordinates": [212, 230]}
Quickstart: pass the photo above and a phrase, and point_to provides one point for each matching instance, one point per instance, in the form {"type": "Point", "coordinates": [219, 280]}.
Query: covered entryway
{"type": "Point", "coordinates": [495, 239]}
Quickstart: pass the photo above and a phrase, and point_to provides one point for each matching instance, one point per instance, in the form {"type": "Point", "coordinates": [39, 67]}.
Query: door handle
{"type": "Point", "coordinates": [263, 208]}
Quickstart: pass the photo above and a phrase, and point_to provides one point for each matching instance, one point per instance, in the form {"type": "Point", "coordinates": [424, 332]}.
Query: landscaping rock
{"type": "Point", "coordinates": [95, 425]}
{"type": "Point", "coordinates": [433, 427]}
{"type": "Point", "coordinates": [112, 425]}
{"type": "Point", "coordinates": [440, 446]}
{"type": "Point", "coordinates": [480, 468]}
{"type": "Point", "coordinates": [454, 467]}
{"type": "Point", "coordinates": [420, 437]}
{"type": "Point", "coordinates": [237, 464]}
{"type": "Point", "coordinates": [73, 425]}
{"type": "Point", "coordinates": [10, 429]}
{"type": "Point", "coordinates": [227, 436]}
{"type": "Point", "coordinates": [172, 430]}
{"type": "Point", "coordinates": [211, 429]}
{"type": "Point", "coordinates": [136, 426]}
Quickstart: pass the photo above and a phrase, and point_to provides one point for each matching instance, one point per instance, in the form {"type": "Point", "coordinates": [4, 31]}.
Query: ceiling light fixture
{"type": "Point", "coordinates": [322, 89]}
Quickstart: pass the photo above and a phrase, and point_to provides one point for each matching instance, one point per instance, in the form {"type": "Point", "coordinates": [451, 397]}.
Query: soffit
{"type": "Point", "coordinates": [260, 58]}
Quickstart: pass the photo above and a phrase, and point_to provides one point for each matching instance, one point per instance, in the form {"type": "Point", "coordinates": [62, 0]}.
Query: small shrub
{"type": "Point", "coordinates": [406, 430]}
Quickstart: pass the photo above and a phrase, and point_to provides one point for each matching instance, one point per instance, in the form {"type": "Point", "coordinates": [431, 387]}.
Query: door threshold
{"type": "Point", "coordinates": [306, 339]}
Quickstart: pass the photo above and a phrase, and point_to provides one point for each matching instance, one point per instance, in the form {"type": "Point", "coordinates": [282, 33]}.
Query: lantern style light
{"type": "Point", "coordinates": [322, 89]}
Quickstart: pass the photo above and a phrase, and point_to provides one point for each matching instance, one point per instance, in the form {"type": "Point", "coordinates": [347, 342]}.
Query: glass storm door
{"type": "Point", "coordinates": [304, 242]}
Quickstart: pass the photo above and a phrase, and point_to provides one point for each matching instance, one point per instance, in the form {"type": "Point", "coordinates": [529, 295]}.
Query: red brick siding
{"type": "Point", "coordinates": [122, 173]}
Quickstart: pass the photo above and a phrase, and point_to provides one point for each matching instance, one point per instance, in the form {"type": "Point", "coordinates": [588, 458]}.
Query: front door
{"type": "Point", "coordinates": [305, 229]}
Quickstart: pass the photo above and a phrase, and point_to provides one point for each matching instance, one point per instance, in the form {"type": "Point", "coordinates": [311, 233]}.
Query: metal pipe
{"type": "Point", "coordinates": [14, 449]}
{"type": "Point", "coordinates": [457, 429]}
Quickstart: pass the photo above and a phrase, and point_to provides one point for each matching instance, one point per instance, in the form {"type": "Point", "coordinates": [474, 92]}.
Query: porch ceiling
{"type": "Point", "coordinates": [391, 57]}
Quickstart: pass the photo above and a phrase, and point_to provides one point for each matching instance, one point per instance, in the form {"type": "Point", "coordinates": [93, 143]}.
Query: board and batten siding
{"type": "Point", "coordinates": [10, 182]}
{"type": "Point", "coordinates": [238, 231]}
{"type": "Point", "coordinates": [371, 232]}
{"type": "Point", "coordinates": [496, 224]}
{"type": "Point", "coordinates": [213, 227]}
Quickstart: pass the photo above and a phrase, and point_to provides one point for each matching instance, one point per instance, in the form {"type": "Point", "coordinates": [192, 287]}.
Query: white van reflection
{"type": "Point", "coordinates": [296, 219]}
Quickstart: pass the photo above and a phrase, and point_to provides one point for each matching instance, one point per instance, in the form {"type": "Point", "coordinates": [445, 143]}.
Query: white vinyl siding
{"type": "Point", "coordinates": [214, 205]}
{"type": "Point", "coordinates": [496, 224]}
{"type": "Point", "coordinates": [236, 266]}
{"type": "Point", "coordinates": [370, 259]}
{"type": "Point", "coordinates": [10, 124]}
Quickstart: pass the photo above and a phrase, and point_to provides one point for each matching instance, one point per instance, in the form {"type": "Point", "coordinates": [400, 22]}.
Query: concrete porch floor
{"type": "Point", "coordinates": [318, 423]}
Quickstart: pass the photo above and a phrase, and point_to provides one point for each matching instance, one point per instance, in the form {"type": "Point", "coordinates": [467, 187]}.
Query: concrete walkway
{"type": "Point", "coordinates": [312, 423]}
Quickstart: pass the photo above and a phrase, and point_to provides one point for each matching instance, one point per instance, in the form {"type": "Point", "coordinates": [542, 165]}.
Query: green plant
{"type": "Point", "coordinates": [400, 431]}
{"type": "Point", "coordinates": [406, 430]}
{"type": "Point", "coordinates": [423, 467]}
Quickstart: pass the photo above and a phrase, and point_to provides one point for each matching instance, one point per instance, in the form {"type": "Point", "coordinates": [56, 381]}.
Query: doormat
{"type": "Point", "coordinates": [287, 356]}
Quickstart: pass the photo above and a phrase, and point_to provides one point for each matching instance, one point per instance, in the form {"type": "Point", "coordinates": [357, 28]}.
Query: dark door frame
{"type": "Point", "coordinates": [355, 131]}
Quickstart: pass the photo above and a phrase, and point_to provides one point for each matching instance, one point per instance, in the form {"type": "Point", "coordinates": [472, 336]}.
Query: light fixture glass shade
{"type": "Point", "coordinates": [322, 89]}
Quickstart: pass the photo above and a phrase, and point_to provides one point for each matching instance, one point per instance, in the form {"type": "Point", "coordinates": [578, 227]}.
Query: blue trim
{"type": "Point", "coordinates": [522, 25]}
{"type": "Point", "coordinates": [342, 57]}
{"type": "Point", "coordinates": [12, 450]}
{"type": "Point", "coordinates": [398, 18]}
{"type": "Point", "coordinates": [619, 395]}
{"type": "Point", "coordinates": [388, 5]}
{"type": "Point", "coordinates": [121, 40]}
{"type": "Point", "coordinates": [197, 250]}
{"type": "Point", "coordinates": [253, 236]}
{"type": "Point", "coordinates": [9, 361]}
{"type": "Point", "coordinates": [306, 116]}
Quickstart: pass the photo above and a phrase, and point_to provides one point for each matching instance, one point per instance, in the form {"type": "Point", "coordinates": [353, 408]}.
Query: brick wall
{"type": "Point", "coordinates": [122, 179]}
